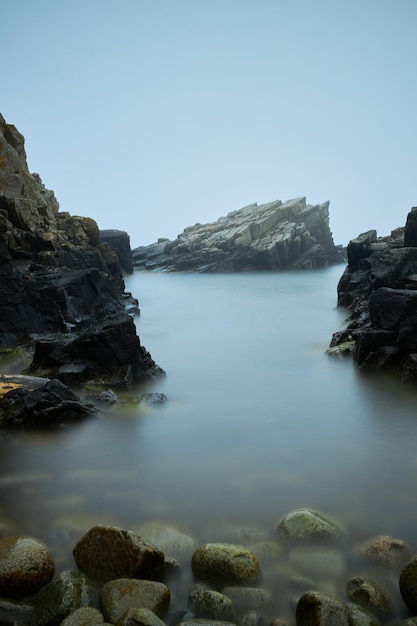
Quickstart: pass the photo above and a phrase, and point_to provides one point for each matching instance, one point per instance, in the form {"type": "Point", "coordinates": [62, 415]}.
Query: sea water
{"type": "Point", "coordinates": [259, 420]}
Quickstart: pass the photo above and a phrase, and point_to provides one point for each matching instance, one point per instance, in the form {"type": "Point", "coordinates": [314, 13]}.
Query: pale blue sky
{"type": "Point", "coordinates": [152, 115]}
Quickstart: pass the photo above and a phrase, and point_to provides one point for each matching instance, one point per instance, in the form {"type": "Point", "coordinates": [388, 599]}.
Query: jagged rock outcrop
{"type": "Point", "coordinates": [58, 276]}
{"type": "Point", "coordinates": [119, 242]}
{"type": "Point", "coordinates": [266, 237]}
{"type": "Point", "coordinates": [379, 288]}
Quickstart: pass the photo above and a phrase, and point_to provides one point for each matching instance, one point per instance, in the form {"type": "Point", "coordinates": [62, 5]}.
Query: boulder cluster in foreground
{"type": "Point", "coordinates": [273, 236]}
{"type": "Point", "coordinates": [379, 289]}
{"type": "Point", "coordinates": [299, 576]}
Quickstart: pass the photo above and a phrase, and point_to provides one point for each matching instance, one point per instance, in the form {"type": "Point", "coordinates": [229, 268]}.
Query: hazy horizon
{"type": "Point", "coordinates": [152, 115]}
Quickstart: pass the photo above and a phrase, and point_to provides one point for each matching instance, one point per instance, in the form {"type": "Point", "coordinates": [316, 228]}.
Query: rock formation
{"type": "Point", "coordinates": [266, 237]}
{"type": "Point", "coordinates": [379, 289]}
{"type": "Point", "coordinates": [61, 285]}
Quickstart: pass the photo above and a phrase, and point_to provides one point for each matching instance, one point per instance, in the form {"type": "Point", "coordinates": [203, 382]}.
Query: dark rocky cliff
{"type": "Point", "coordinates": [266, 237]}
{"type": "Point", "coordinates": [61, 287]}
{"type": "Point", "coordinates": [379, 290]}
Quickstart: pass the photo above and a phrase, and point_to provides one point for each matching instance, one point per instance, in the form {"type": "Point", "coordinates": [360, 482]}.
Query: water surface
{"type": "Point", "coordinates": [259, 420]}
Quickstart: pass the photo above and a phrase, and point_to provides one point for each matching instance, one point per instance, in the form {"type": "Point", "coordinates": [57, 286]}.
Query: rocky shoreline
{"type": "Point", "coordinates": [379, 290]}
{"type": "Point", "coordinates": [62, 295]}
{"type": "Point", "coordinates": [303, 572]}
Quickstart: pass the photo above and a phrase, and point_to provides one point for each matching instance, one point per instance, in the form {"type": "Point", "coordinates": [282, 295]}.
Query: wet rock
{"type": "Point", "coordinates": [83, 616]}
{"type": "Point", "coordinates": [365, 592]}
{"type": "Point", "coordinates": [152, 398]}
{"type": "Point", "coordinates": [248, 599]}
{"type": "Point", "coordinates": [210, 604]}
{"type": "Point", "coordinates": [386, 550]}
{"type": "Point", "coordinates": [225, 564]}
{"type": "Point", "coordinates": [267, 551]}
{"type": "Point", "coordinates": [118, 596]}
{"type": "Point", "coordinates": [140, 617]}
{"type": "Point", "coordinates": [318, 609]}
{"type": "Point", "coordinates": [107, 397]}
{"type": "Point", "coordinates": [107, 552]}
{"type": "Point", "coordinates": [318, 562]}
{"type": "Point", "coordinates": [26, 565]}
{"type": "Point", "coordinates": [360, 616]}
{"type": "Point", "coordinates": [408, 585]}
{"type": "Point", "coordinates": [309, 525]}
{"type": "Point", "coordinates": [63, 595]}
{"type": "Point", "coordinates": [46, 403]}
{"type": "Point", "coordinates": [173, 543]}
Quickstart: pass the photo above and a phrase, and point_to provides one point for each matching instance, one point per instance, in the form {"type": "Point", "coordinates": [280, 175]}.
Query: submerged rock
{"type": "Point", "coordinates": [118, 596]}
{"type": "Point", "coordinates": [266, 237]}
{"type": "Point", "coordinates": [318, 608]}
{"type": "Point", "coordinates": [365, 592]}
{"type": "Point", "coordinates": [386, 550]}
{"type": "Point", "coordinates": [309, 525]}
{"type": "Point", "coordinates": [224, 563]}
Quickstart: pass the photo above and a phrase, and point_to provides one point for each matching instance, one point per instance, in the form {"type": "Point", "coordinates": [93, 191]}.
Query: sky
{"type": "Point", "coordinates": [152, 115]}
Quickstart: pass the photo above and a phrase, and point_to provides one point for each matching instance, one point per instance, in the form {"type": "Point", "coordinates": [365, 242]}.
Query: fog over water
{"type": "Point", "coordinates": [259, 420]}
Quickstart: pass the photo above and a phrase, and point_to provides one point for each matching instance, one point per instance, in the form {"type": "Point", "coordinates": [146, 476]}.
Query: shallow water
{"type": "Point", "coordinates": [259, 421]}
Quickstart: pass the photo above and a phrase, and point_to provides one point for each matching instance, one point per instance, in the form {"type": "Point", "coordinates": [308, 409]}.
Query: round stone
{"type": "Point", "coordinates": [26, 565]}
{"type": "Point", "coordinates": [309, 525]}
{"type": "Point", "coordinates": [408, 585]}
{"type": "Point", "coordinates": [225, 563]}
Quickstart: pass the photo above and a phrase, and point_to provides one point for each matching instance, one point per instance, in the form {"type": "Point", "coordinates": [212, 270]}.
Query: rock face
{"type": "Point", "coordinates": [379, 288]}
{"type": "Point", "coordinates": [266, 237]}
{"type": "Point", "coordinates": [39, 402]}
{"type": "Point", "coordinates": [60, 275]}
{"type": "Point", "coordinates": [119, 242]}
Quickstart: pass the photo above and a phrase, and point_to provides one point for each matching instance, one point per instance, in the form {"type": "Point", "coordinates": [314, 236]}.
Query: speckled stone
{"type": "Point", "coordinates": [319, 609]}
{"type": "Point", "coordinates": [386, 550]}
{"type": "Point", "coordinates": [106, 553]}
{"type": "Point", "coordinates": [309, 525]}
{"type": "Point", "coordinates": [26, 565]}
{"type": "Point", "coordinates": [84, 616]}
{"type": "Point", "coordinates": [225, 563]}
{"type": "Point", "coordinates": [63, 595]}
{"type": "Point", "coordinates": [118, 596]}
{"type": "Point", "coordinates": [210, 604]}
{"type": "Point", "coordinates": [369, 595]}
{"type": "Point", "coordinates": [408, 585]}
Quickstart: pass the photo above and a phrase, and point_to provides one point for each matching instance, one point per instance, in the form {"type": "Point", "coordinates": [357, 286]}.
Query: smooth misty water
{"type": "Point", "coordinates": [259, 421]}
